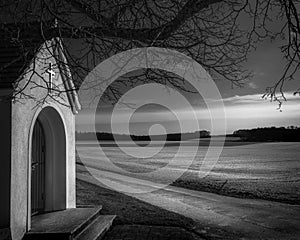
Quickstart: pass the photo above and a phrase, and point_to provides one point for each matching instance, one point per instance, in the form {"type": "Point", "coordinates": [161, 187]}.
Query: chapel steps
{"type": "Point", "coordinates": [83, 223]}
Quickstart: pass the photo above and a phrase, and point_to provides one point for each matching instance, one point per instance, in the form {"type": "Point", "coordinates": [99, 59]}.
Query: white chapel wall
{"type": "Point", "coordinates": [24, 114]}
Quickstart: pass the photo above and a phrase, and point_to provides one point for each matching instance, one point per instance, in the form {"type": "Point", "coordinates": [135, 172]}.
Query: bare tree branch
{"type": "Point", "coordinates": [218, 34]}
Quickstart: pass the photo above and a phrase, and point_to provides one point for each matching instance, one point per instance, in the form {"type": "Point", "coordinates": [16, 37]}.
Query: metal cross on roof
{"type": "Point", "coordinates": [51, 75]}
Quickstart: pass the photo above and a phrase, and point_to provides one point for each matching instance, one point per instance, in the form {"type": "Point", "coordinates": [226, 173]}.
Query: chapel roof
{"type": "Point", "coordinates": [15, 58]}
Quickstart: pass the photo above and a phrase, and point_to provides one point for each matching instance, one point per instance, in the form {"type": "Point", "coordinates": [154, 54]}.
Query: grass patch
{"type": "Point", "coordinates": [128, 210]}
{"type": "Point", "coordinates": [285, 192]}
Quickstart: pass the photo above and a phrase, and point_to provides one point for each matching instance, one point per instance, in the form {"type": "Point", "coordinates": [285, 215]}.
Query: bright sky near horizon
{"type": "Point", "coordinates": [247, 111]}
{"type": "Point", "coordinates": [244, 106]}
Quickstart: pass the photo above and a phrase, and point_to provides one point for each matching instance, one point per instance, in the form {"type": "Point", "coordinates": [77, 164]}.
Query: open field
{"type": "Point", "coordinates": [268, 171]}
{"type": "Point", "coordinates": [263, 170]}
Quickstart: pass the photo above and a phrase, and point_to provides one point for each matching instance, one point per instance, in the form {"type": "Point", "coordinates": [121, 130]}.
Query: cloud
{"type": "Point", "coordinates": [257, 73]}
{"type": "Point", "coordinates": [257, 99]}
{"type": "Point", "coordinates": [252, 85]}
{"type": "Point", "coordinates": [246, 111]}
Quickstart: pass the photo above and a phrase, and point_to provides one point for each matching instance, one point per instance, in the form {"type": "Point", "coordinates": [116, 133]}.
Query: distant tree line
{"type": "Point", "coordinates": [104, 136]}
{"type": "Point", "coordinates": [269, 134]}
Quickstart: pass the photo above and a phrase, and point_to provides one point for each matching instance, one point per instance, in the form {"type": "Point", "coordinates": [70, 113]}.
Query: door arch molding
{"type": "Point", "coordinates": [55, 160]}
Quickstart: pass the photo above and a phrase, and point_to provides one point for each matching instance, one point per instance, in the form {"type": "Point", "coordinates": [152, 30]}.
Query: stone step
{"type": "Point", "coordinates": [96, 229]}
{"type": "Point", "coordinates": [65, 224]}
{"type": "Point", "coordinates": [86, 223]}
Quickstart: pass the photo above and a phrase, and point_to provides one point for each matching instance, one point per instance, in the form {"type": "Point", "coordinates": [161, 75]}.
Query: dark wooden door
{"type": "Point", "coordinates": [38, 169]}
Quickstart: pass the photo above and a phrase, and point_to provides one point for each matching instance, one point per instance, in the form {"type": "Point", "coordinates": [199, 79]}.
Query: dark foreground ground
{"type": "Point", "coordinates": [128, 210]}
{"type": "Point", "coordinates": [142, 221]}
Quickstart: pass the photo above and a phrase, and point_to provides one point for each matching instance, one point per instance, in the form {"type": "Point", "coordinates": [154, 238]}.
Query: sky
{"type": "Point", "coordinates": [244, 107]}
{"type": "Point", "coordinates": [242, 111]}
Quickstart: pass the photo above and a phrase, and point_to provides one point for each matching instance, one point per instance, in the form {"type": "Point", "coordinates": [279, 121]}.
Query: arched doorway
{"type": "Point", "coordinates": [48, 163]}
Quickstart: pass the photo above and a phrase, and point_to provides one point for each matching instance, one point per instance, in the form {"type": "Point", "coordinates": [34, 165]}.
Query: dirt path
{"type": "Point", "coordinates": [252, 219]}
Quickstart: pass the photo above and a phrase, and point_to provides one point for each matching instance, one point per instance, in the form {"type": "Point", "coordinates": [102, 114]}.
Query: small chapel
{"type": "Point", "coordinates": [37, 173]}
